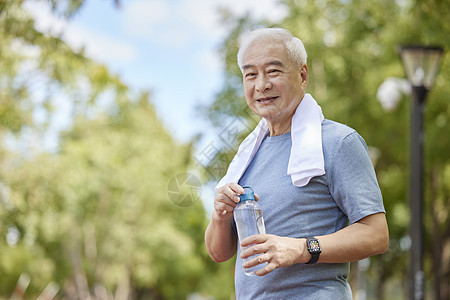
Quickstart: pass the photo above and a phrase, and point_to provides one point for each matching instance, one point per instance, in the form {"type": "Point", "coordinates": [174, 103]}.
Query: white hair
{"type": "Point", "coordinates": [294, 46]}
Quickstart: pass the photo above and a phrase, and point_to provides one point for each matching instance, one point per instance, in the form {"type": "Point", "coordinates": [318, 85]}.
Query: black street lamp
{"type": "Point", "coordinates": [421, 65]}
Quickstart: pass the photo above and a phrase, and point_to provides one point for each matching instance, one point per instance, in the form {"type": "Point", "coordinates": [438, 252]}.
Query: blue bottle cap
{"type": "Point", "coordinates": [247, 195]}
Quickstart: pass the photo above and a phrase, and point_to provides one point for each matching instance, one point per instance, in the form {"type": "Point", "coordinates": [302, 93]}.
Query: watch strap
{"type": "Point", "coordinates": [314, 258]}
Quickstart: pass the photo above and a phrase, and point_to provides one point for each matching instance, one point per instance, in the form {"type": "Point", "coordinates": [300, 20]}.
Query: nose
{"type": "Point", "coordinates": [263, 84]}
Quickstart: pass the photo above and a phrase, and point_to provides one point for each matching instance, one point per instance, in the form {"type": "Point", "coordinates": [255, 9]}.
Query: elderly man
{"type": "Point", "coordinates": [314, 179]}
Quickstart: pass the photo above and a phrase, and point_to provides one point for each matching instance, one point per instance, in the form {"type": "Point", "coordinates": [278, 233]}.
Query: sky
{"type": "Point", "coordinates": [169, 47]}
{"type": "Point", "coordinates": [166, 46]}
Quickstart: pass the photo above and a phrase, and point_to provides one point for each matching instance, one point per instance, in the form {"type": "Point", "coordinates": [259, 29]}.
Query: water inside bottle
{"type": "Point", "coordinates": [257, 216]}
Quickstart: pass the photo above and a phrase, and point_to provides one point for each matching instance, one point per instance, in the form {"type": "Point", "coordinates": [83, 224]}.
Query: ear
{"type": "Point", "coordinates": [304, 74]}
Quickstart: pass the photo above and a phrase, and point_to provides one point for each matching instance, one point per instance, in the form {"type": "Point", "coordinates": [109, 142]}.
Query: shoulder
{"type": "Point", "coordinates": [335, 135]}
{"type": "Point", "coordinates": [334, 129]}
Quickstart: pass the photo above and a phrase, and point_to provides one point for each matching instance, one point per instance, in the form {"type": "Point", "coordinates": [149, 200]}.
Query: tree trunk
{"type": "Point", "coordinates": [381, 283]}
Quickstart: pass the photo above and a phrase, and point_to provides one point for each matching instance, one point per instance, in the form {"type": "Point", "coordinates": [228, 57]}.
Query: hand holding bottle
{"type": "Point", "coordinates": [226, 199]}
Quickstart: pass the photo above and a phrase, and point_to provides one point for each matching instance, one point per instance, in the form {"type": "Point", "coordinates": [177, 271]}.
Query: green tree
{"type": "Point", "coordinates": [37, 69]}
{"type": "Point", "coordinates": [94, 216]}
{"type": "Point", "coordinates": [98, 212]}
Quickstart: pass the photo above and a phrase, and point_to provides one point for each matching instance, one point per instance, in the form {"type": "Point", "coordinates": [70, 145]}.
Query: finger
{"type": "Point", "coordinates": [236, 188]}
{"type": "Point", "coordinates": [260, 259]}
{"type": "Point", "coordinates": [222, 201]}
{"type": "Point", "coordinates": [254, 239]}
{"type": "Point", "coordinates": [253, 250]}
{"type": "Point", "coordinates": [256, 197]}
{"type": "Point", "coordinates": [225, 199]}
{"type": "Point", "coordinates": [223, 208]}
{"type": "Point", "coordinates": [266, 270]}
{"type": "Point", "coordinates": [227, 193]}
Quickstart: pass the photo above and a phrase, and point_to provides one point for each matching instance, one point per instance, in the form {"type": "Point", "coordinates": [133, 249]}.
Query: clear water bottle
{"type": "Point", "coordinates": [249, 221]}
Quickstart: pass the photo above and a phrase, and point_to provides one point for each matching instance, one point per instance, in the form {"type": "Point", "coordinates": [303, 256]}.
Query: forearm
{"type": "Point", "coordinates": [363, 239]}
{"type": "Point", "coordinates": [219, 239]}
{"type": "Point", "coordinates": [369, 236]}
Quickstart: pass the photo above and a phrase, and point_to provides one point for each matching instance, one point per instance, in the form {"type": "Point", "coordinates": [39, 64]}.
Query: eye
{"type": "Point", "coordinates": [273, 72]}
{"type": "Point", "coordinates": [250, 75]}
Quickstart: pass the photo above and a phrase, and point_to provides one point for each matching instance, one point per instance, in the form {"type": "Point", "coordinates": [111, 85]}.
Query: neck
{"type": "Point", "coordinates": [280, 128]}
{"type": "Point", "coordinates": [281, 124]}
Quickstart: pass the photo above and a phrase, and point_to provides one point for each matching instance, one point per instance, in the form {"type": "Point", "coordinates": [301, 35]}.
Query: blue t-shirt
{"type": "Point", "coordinates": [347, 193]}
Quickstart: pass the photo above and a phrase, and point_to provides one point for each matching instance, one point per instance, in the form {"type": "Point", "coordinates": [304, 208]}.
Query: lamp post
{"type": "Point", "coordinates": [421, 65]}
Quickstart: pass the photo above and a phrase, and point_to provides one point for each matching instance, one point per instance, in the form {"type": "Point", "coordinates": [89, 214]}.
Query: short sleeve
{"type": "Point", "coordinates": [352, 179]}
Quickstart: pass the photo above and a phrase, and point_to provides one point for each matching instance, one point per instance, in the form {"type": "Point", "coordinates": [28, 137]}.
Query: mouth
{"type": "Point", "coordinates": [266, 100]}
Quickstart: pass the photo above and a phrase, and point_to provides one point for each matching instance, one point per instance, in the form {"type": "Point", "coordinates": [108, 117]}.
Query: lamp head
{"type": "Point", "coordinates": [421, 64]}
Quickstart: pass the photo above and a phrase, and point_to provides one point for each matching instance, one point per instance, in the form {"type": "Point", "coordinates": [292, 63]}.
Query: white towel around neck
{"type": "Point", "coordinates": [306, 158]}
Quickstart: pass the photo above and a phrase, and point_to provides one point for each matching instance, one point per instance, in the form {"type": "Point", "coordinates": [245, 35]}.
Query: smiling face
{"type": "Point", "coordinates": [273, 84]}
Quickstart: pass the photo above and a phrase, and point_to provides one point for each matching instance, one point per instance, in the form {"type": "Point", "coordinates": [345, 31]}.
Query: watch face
{"type": "Point", "coordinates": [314, 246]}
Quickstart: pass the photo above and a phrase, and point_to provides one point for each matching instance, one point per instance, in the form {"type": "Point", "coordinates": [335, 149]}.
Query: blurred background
{"type": "Point", "coordinates": [118, 117]}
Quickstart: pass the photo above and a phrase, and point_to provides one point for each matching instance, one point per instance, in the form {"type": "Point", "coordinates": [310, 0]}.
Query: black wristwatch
{"type": "Point", "coordinates": [314, 248]}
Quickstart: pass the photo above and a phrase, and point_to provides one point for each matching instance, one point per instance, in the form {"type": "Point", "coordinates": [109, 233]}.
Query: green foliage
{"type": "Point", "coordinates": [99, 208]}
{"type": "Point", "coordinates": [35, 63]}
{"type": "Point", "coordinates": [93, 216]}
{"type": "Point", "coordinates": [352, 49]}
